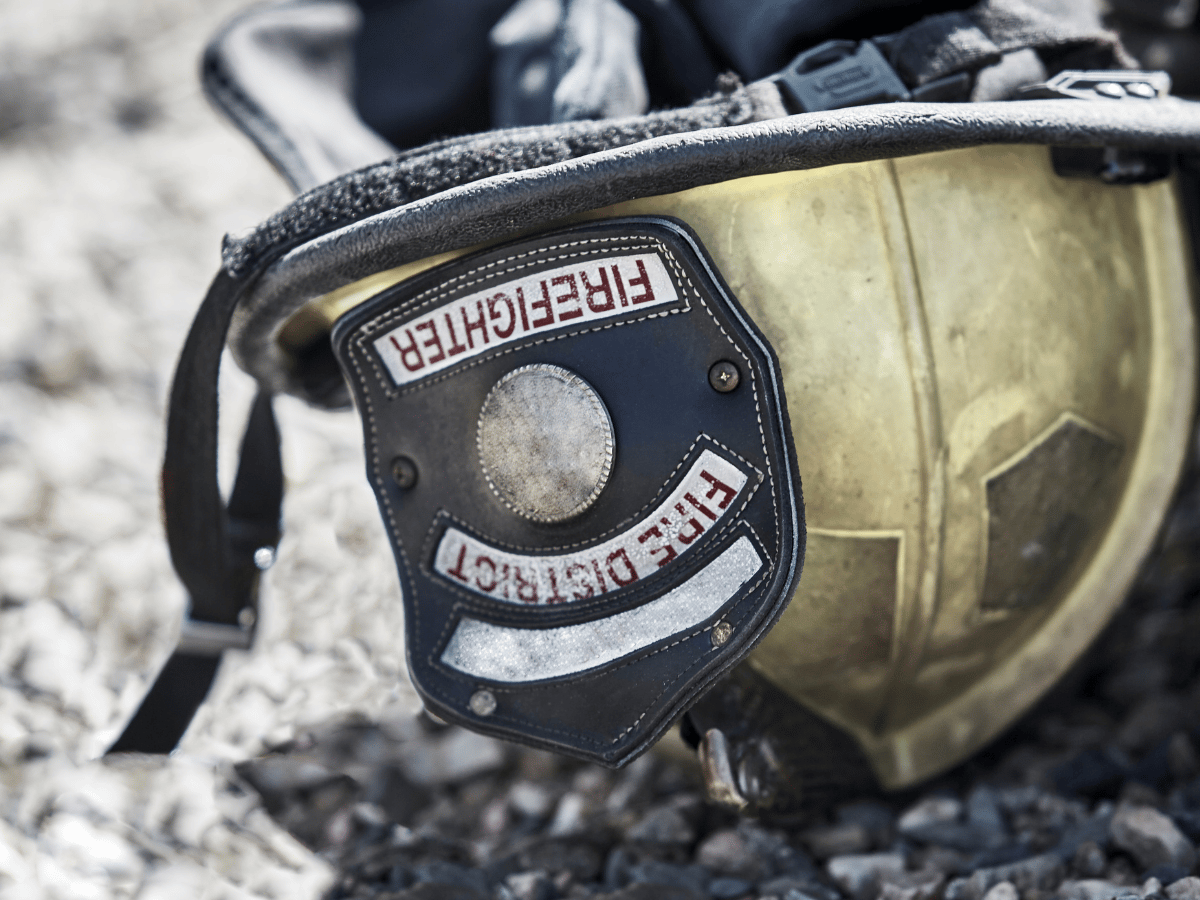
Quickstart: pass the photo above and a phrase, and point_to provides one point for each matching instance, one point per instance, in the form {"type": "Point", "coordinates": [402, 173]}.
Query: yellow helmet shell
{"type": "Point", "coordinates": [990, 375]}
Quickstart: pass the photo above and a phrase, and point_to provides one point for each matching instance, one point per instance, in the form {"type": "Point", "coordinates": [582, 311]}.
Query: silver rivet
{"type": "Point", "coordinates": [483, 703]}
{"type": "Point", "coordinates": [1141, 89]}
{"type": "Point", "coordinates": [724, 376]}
{"type": "Point", "coordinates": [404, 472]}
{"type": "Point", "coordinates": [721, 634]}
{"type": "Point", "coordinates": [1110, 89]}
{"type": "Point", "coordinates": [264, 558]}
{"type": "Point", "coordinates": [247, 617]}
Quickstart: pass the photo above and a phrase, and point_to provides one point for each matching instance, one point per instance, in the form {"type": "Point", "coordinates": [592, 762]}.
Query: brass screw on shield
{"type": "Point", "coordinates": [724, 376]}
{"type": "Point", "coordinates": [404, 472]}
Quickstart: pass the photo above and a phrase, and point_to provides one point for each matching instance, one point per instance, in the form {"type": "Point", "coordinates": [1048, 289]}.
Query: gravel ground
{"type": "Point", "coordinates": [116, 184]}
{"type": "Point", "coordinates": [1095, 795]}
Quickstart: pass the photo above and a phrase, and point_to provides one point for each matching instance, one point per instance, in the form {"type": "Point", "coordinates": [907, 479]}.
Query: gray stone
{"type": "Point", "coordinates": [530, 886]}
{"type": "Point", "coordinates": [727, 888]}
{"type": "Point", "coordinates": [727, 853]}
{"type": "Point", "coordinates": [1150, 837]}
{"type": "Point", "coordinates": [983, 810]}
{"type": "Point", "coordinates": [1184, 889]}
{"type": "Point", "coordinates": [579, 857]}
{"type": "Point", "coordinates": [431, 891]}
{"type": "Point", "coordinates": [877, 818]}
{"type": "Point", "coordinates": [1089, 860]}
{"type": "Point", "coordinates": [689, 877]}
{"type": "Point", "coordinates": [1094, 830]}
{"type": "Point", "coordinates": [1040, 872]}
{"type": "Point", "coordinates": [664, 825]}
{"type": "Point", "coordinates": [450, 875]}
{"type": "Point", "coordinates": [650, 892]}
{"type": "Point", "coordinates": [911, 885]}
{"type": "Point", "coordinates": [860, 875]}
{"type": "Point", "coordinates": [784, 885]}
{"type": "Point", "coordinates": [1091, 889]}
{"type": "Point", "coordinates": [837, 840]}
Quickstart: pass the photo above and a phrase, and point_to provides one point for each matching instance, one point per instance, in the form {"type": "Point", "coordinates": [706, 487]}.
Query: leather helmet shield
{"type": "Point", "coordinates": [580, 449]}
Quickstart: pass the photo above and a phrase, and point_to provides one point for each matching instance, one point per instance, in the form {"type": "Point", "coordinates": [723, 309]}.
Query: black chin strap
{"type": "Point", "coordinates": [218, 550]}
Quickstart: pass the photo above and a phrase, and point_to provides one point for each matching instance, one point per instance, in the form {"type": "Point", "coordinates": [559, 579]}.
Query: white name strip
{"type": "Point", "coordinates": [498, 653]}
{"type": "Point", "coordinates": [535, 304]}
{"type": "Point", "coordinates": [699, 502]}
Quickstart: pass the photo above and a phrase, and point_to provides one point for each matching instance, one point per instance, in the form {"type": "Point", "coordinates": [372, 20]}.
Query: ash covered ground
{"type": "Point", "coordinates": [310, 773]}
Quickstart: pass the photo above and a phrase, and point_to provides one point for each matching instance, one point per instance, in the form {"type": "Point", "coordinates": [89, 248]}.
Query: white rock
{"type": "Point", "coordinates": [569, 816]}
{"type": "Point", "coordinates": [1150, 837]}
{"type": "Point", "coordinates": [1184, 889]}
{"type": "Point", "coordinates": [860, 875]}
{"type": "Point", "coordinates": [930, 811]}
{"type": "Point", "coordinates": [454, 756]}
{"type": "Point", "coordinates": [1091, 889]}
{"type": "Point", "coordinates": [1002, 891]}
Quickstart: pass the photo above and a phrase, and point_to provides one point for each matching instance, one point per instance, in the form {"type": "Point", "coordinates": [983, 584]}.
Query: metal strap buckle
{"type": "Point", "coordinates": [197, 638]}
{"type": "Point", "coordinates": [1077, 84]}
{"type": "Point", "coordinates": [838, 74]}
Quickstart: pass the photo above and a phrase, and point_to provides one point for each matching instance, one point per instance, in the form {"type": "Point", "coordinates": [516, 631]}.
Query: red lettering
{"type": "Point", "coordinates": [621, 556]}
{"type": "Point", "coordinates": [571, 296]}
{"type": "Point", "coordinates": [544, 303]}
{"type": "Point", "coordinates": [527, 591]}
{"type": "Point", "coordinates": [691, 498]}
{"type": "Point", "coordinates": [555, 596]}
{"type": "Point", "coordinates": [620, 286]}
{"type": "Point", "coordinates": [457, 570]}
{"type": "Point", "coordinates": [479, 562]}
{"type": "Point", "coordinates": [697, 528]}
{"type": "Point", "coordinates": [455, 347]}
{"type": "Point", "coordinates": [647, 296]}
{"type": "Point", "coordinates": [653, 531]}
{"type": "Point", "coordinates": [434, 341]}
{"type": "Point", "coordinates": [718, 485]}
{"type": "Point", "coordinates": [600, 577]}
{"type": "Point", "coordinates": [579, 567]}
{"type": "Point", "coordinates": [493, 315]}
{"type": "Point", "coordinates": [405, 351]}
{"type": "Point", "coordinates": [478, 325]}
{"type": "Point", "coordinates": [504, 581]}
{"type": "Point", "coordinates": [601, 288]}
{"type": "Point", "coordinates": [521, 306]}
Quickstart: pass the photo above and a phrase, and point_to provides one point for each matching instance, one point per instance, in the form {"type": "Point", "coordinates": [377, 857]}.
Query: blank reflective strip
{"type": "Point", "coordinates": [499, 653]}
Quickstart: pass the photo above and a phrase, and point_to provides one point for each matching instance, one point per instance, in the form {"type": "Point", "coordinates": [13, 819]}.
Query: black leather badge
{"type": "Point", "coordinates": [581, 452]}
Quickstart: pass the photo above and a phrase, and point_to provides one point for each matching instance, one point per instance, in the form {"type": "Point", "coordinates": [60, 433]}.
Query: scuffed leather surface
{"type": "Point", "coordinates": [650, 367]}
{"type": "Point", "coordinates": [355, 225]}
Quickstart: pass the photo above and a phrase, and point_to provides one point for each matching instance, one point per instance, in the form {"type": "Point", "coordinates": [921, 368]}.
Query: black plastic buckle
{"type": "Point", "coordinates": [838, 74]}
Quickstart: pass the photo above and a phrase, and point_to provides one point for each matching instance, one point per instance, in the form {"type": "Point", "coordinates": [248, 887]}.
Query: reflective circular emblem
{"type": "Point", "coordinates": [545, 442]}
{"type": "Point", "coordinates": [602, 526]}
